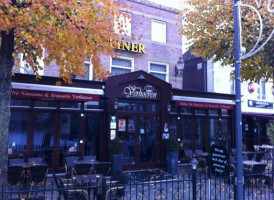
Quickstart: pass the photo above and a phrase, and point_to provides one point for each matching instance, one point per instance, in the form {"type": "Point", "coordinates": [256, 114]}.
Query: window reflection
{"type": "Point", "coordinates": [43, 139]}
{"type": "Point", "coordinates": [69, 129]}
{"type": "Point", "coordinates": [18, 133]}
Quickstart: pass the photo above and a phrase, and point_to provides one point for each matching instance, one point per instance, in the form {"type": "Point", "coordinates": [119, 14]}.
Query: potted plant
{"type": "Point", "coordinates": [172, 147]}
{"type": "Point", "coordinates": [116, 149]}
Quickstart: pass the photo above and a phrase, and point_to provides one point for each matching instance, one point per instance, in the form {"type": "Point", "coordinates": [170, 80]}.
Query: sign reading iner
{"type": "Point", "coordinates": [127, 46]}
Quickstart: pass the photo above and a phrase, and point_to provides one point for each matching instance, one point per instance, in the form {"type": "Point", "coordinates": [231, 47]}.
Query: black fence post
{"type": "Point", "coordinates": [194, 180]}
{"type": "Point", "coordinates": [104, 188]}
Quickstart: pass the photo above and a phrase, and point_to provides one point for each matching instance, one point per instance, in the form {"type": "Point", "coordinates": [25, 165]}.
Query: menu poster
{"type": "Point", "coordinates": [122, 125]}
{"type": "Point", "coordinates": [219, 160]}
{"type": "Point", "coordinates": [131, 125]}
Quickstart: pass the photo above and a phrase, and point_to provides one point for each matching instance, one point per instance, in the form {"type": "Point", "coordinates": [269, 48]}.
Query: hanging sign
{"type": "Point", "coordinates": [251, 88]}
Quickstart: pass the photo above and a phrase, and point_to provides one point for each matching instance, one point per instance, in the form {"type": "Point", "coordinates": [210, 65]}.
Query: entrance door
{"type": "Point", "coordinates": [139, 136]}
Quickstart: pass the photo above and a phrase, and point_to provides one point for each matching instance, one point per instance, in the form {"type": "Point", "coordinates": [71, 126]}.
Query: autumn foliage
{"type": "Point", "coordinates": [58, 32]}
{"type": "Point", "coordinates": [208, 26]}
{"type": "Point", "coordinates": [67, 31]}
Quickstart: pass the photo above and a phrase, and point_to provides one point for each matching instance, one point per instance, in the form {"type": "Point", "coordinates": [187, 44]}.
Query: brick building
{"type": "Point", "coordinates": [142, 103]}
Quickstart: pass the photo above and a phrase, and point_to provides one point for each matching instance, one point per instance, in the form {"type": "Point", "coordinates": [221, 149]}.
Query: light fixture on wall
{"type": "Point", "coordinates": [179, 67]}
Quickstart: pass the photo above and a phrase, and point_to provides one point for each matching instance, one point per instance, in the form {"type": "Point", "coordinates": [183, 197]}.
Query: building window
{"type": "Point", "coordinates": [25, 69]}
{"type": "Point", "coordinates": [261, 90]}
{"type": "Point", "coordinates": [158, 31]}
{"type": "Point", "coordinates": [88, 71]}
{"type": "Point", "coordinates": [123, 25]}
{"type": "Point", "coordinates": [159, 70]}
{"type": "Point", "coordinates": [121, 66]}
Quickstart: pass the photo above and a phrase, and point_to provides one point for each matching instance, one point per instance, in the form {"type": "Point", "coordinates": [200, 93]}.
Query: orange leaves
{"type": "Point", "coordinates": [68, 31]}
{"type": "Point", "coordinates": [208, 24]}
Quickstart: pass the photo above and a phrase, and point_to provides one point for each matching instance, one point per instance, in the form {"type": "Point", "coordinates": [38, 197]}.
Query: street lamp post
{"type": "Point", "coordinates": [238, 115]}
{"type": "Point", "coordinates": [240, 55]}
{"type": "Point", "coordinates": [194, 164]}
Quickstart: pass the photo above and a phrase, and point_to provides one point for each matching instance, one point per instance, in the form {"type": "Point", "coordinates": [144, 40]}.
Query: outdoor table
{"type": "Point", "coordinates": [250, 163]}
{"type": "Point", "coordinates": [86, 162]}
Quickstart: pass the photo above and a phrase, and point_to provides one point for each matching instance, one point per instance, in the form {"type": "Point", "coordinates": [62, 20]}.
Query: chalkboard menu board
{"type": "Point", "coordinates": [219, 160]}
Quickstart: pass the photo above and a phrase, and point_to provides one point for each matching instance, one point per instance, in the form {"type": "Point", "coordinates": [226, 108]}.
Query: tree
{"type": "Point", "coordinates": [67, 31]}
{"type": "Point", "coordinates": [208, 25]}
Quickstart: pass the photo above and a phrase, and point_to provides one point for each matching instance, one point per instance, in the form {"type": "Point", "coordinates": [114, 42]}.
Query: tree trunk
{"type": "Point", "coordinates": [6, 63]}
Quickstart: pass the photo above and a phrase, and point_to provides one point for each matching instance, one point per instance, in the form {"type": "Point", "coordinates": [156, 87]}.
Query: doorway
{"type": "Point", "coordinates": [139, 136]}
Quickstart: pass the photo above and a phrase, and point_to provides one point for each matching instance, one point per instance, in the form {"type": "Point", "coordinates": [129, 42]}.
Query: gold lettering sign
{"type": "Point", "coordinates": [128, 46]}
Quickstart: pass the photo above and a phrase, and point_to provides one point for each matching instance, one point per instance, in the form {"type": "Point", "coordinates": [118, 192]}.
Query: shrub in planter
{"type": "Point", "coordinates": [172, 147]}
{"type": "Point", "coordinates": [116, 149]}
{"type": "Point", "coordinates": [116, 146]}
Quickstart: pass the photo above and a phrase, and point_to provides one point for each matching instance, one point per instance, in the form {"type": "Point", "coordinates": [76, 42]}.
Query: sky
{"type": "Point", "coordinates": [169, 3]}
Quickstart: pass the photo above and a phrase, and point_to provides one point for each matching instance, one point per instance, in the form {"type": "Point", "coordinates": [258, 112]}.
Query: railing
{"type": "Point", "coordinates": [177, 188]}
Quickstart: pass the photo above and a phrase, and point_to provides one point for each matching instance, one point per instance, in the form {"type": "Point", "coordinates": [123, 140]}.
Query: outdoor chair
{"type": "Point", "coordinates": [188, 154]}
{"type": "Point", "coordinates": [83, 169]}
{"type": "Point", "coordinates": [36, 179]}
{"type": "Point", "coordinates": [103, 168]}
{"type": "Point", "coordinates": [259, 156]}
{"type": "Point", "coordinates": [254, 175]}
{"type": "Point", "coordinates": [117, 191]}
{"type": "Point", "coordinates": [69, 163]}
{"type": "Point", "coordinates": [68, 193]}
{"type": "Point", "coordinates": [16, 177]}
{"type": "Point", "coordinates": [15, 161]}
{"type": "Point", "coordinates": [36, 160]}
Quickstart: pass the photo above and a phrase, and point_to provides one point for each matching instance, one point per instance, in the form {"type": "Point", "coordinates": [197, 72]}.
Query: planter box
{"type": "Point", "coordinates": [116, 163]}
{"type": "Point", "coordinates": [172, 162]}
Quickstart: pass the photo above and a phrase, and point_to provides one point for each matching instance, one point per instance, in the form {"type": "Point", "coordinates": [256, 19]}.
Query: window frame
{"type": "Point", "coordinates": [121, 67]}
{"type": "Point", "coordinates": [159, 63]}
{"type": "Point", "coordinates": [22, 65]}
{"type": "Point", "coordinates": [165, 31]}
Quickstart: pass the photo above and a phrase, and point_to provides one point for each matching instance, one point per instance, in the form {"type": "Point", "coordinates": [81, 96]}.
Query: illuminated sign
{"type": "Point", "coordinates": [127, 46]}
{"type": "Point", "coordinates": [133, 91]}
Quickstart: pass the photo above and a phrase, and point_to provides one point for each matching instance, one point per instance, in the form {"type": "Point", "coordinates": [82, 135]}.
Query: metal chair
{"type": "Point", "coordinates": [67, 193]}
{"type": "Point", "coordinates": [69, 163]}
{"type": "Point", "coordinates": [82, 169]}
{"type": "Point", "coordinates": [259, 156]}
{"type": "Point", "coordinates": [16, 175]}
{"type": "Point", "coordinates": [255, 174]}
{"type": "Point", "coordinates": [103, 168]}
{"type": "Point", "coordinates": [117, 191]}
{"type": "Point", "coordinates": [36, 178]}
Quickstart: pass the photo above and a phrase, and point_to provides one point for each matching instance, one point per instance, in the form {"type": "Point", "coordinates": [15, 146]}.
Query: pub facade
{"type": "Point", "coordinates": [142, 102]}
{"type": "Point", "coordinates": [80, 119]}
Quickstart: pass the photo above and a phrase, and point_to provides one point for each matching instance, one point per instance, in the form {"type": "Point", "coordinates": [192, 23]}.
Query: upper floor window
{"type": "Point", "coordinates": [160, 70]}
{"type": "Point", "coordinates": [24, 68]}
{"type": "Point", "coordinates": [261, 90]}
{"type": "Point", "coordinates": [123, 25]}
{"type": "Point", "coordinates": [121, 66]}
{"type": "Point", "coordinates": [88, 71]}
{"type": "Point", "coordinates": [158, 31]}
